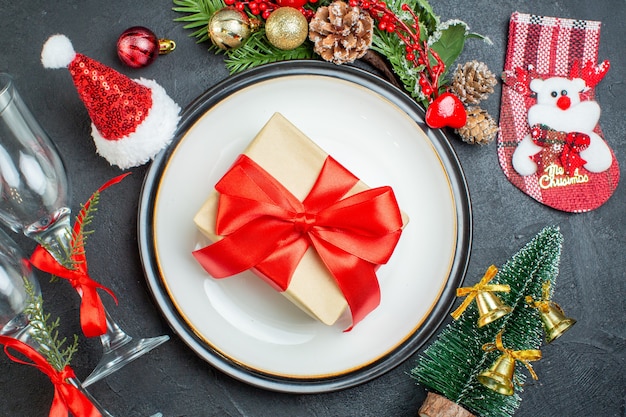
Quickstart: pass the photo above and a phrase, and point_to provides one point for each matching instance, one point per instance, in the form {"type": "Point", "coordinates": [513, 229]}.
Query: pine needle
{"type": "Point", "coordinates": [80, 233]}
{"type": "Point", "coordinates": [258, 51]}
{"type": "Point", "coordinates": [56, 351]}
{"type": "Point", "coordinates": [388, 45]}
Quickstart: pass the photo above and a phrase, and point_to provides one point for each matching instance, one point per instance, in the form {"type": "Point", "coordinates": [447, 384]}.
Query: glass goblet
{"type": "Point", "coordinates": [15, 300]}
{"type": "Point", "coordinates": [34, 200]}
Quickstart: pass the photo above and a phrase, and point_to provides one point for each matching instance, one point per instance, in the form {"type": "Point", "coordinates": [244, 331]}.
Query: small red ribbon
{"type": "Point", "coordinates": [266, 227]}
{"type": "Point", "coordinates": [92, 315]}
{"type": "Point", "coordinates": [575, 142]}
{"type": "Point", "coordinates": [564, 146]}
{"type": "Point", "coordinates": [67, 398]}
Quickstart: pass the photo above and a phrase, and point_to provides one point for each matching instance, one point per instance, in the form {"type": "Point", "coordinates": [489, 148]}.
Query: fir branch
{"type": "Point", "coordinates": [83, 219]}
{"type": "Point", "coordinates": [45, 332]}
{"type": "Point", "coordinates": [80, 233]}
{"type": "Point", "coordinates": [389, 45]}
{"type": "Point", "coordinates": [198, 14]}
{"type": "Point", "coordinates": [258, 51]}
{"type": "Point", "coordinates": [450, 364]}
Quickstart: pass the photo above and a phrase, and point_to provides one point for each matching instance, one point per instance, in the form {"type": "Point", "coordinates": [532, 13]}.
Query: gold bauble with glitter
{"type": "Point", "coordinates": [286, 28]}
{"type": "Point", "coordinates": [229, 28]}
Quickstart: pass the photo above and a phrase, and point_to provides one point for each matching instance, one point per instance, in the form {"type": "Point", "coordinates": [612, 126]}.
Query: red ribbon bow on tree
{"type": "Point", "coordinates": [92, 315]}
{"type": "Point", "coordinates": [564, 146]}
{"type": "Point", "coordinates": [67, 398]}
{"type": "Point", "coordinates": [266, 227]}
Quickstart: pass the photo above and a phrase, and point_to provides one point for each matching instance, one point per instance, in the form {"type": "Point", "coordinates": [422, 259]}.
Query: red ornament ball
{"type": "Point", "coordinates": [137, 47]}
{"type": "Point", "coordinates": [296, 4]}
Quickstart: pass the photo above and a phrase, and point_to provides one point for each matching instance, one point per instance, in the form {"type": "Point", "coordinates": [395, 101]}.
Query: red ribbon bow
{"type": "Point", "coordinates": [567, 146]}
{"type": "Point", "coordinates": [92, 315]}
{"type": "Point", "coordinates": [266, 227]}
{"type": "Point", "coordinates": [575, 143]}
{"type": "Point", "coordinates": [67, 398]}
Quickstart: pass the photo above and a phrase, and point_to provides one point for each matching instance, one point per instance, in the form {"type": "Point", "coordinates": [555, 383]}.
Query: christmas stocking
{"type": "Point", "coordinates": [550, 144]}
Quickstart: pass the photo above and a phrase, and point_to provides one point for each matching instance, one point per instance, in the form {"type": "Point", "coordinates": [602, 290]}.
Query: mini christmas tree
{"type": "Point", "coordinates": [450, 366]}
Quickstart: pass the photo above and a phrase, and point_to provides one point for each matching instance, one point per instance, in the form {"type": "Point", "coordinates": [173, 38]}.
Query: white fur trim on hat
{"type": "Point", "coordinates": [153, 134]}
{"type": "Point", "coordinates": [57, 52]}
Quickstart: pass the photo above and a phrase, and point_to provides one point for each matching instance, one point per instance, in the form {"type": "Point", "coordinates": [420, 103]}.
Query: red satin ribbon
{"type": "Point", "coordinates": [565, 146]}
{"type": "Point", "coordinates": [266, 227]}
{"type": "Point", "coordinates": [67, 398]}
{"type": "Point", "coordinates": [92, 315]}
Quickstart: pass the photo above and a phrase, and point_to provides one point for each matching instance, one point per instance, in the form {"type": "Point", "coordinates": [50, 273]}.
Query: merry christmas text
{"type": "Point", "coordinates": [554, 176]}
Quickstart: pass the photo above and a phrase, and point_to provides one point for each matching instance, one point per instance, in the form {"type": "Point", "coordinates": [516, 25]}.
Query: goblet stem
{"type": "Point", "coordinates": [56, 237]}
{"type": "Point", "coordinates": [119, 349]}
{"type": "Point", "coordinates": [81, 387]}
{"type": "Point", "coordinates": [76, 383]}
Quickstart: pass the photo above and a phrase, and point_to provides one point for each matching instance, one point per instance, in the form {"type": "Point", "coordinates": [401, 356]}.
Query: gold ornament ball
{"type": "Point", "coordinates": [229, 28]}
{"type": "Point", "coordinates": [286, 28]}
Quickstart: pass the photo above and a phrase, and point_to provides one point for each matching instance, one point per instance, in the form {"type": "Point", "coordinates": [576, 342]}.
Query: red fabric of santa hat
{"type": "Point", "coordinates": [131, 120]}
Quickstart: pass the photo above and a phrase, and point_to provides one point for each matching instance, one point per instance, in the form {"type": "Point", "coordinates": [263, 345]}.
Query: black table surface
{"type": "Point", "coordinates": [583, 374]}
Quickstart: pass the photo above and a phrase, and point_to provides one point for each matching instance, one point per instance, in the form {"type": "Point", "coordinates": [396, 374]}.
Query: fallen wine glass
{"type": "Point", "coordinates": [34, 200]}
{"type": "Point", "coordinates": [19, 289]}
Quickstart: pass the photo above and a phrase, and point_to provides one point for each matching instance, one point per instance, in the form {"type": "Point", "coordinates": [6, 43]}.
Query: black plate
{"type": "Point", "coordinates": [152, 256]}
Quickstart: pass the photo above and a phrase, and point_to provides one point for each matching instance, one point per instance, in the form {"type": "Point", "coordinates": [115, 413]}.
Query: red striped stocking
{"type": "Point", "coordinates": [550, 144]}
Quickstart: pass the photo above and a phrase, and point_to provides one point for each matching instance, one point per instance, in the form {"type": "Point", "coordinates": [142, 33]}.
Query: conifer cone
{"type": "Point", "coordinates": [480, 127]}
{"type": "Point", "coordinates": [473, 82]}
{"type": "Point", "coordinates": [341, 33]}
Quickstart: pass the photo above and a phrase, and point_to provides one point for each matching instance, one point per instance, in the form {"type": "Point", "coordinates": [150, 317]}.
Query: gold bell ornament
{"type": "Point", "coordinates": [499, 377]}
{"type": "Point", "coordinates": [555, 323]}
{"type": "Point", "coordinates": [490, 307]}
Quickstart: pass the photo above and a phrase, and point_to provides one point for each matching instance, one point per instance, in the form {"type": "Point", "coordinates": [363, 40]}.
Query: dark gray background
{"type": "Point", "coordinates": [582, 374]}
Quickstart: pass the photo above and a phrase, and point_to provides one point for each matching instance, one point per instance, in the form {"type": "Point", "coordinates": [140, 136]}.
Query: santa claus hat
{"type": "Point", "coordinates": [132, 120]}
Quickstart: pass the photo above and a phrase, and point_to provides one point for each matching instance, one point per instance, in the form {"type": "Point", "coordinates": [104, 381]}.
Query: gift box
{"type": "Point", "coordinates": [319, 284]}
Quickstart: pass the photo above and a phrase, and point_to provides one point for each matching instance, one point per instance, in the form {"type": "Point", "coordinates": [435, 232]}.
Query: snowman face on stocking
{"type": "Point", "coordinates": [562, 138]}
{"type": "Point", "coordinates": [550, 143]}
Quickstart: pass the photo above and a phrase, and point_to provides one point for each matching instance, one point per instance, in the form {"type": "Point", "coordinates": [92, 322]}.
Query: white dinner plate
{"type": "Point", "coordinates": [239, 324]}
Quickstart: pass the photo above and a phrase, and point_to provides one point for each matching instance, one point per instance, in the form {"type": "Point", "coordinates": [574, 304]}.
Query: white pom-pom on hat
{"type": "Point", "coordinates": [57, 52]}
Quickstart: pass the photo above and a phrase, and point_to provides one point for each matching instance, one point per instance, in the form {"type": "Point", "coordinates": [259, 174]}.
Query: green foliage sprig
{"type": "Point", "coordinates": [447, 39]}
{"type": "Point", "coordinates": [258, 51]}
{"type": "Point", "coordinates": [56, 350]}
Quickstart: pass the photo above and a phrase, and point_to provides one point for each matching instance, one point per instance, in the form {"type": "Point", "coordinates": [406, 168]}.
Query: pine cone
{"type": "Point", "coordinates": [480, 127]}
{"type": "Point", "coordinates": [340, 33]}
{"type": "Point", "coordinates": [473, 82]}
